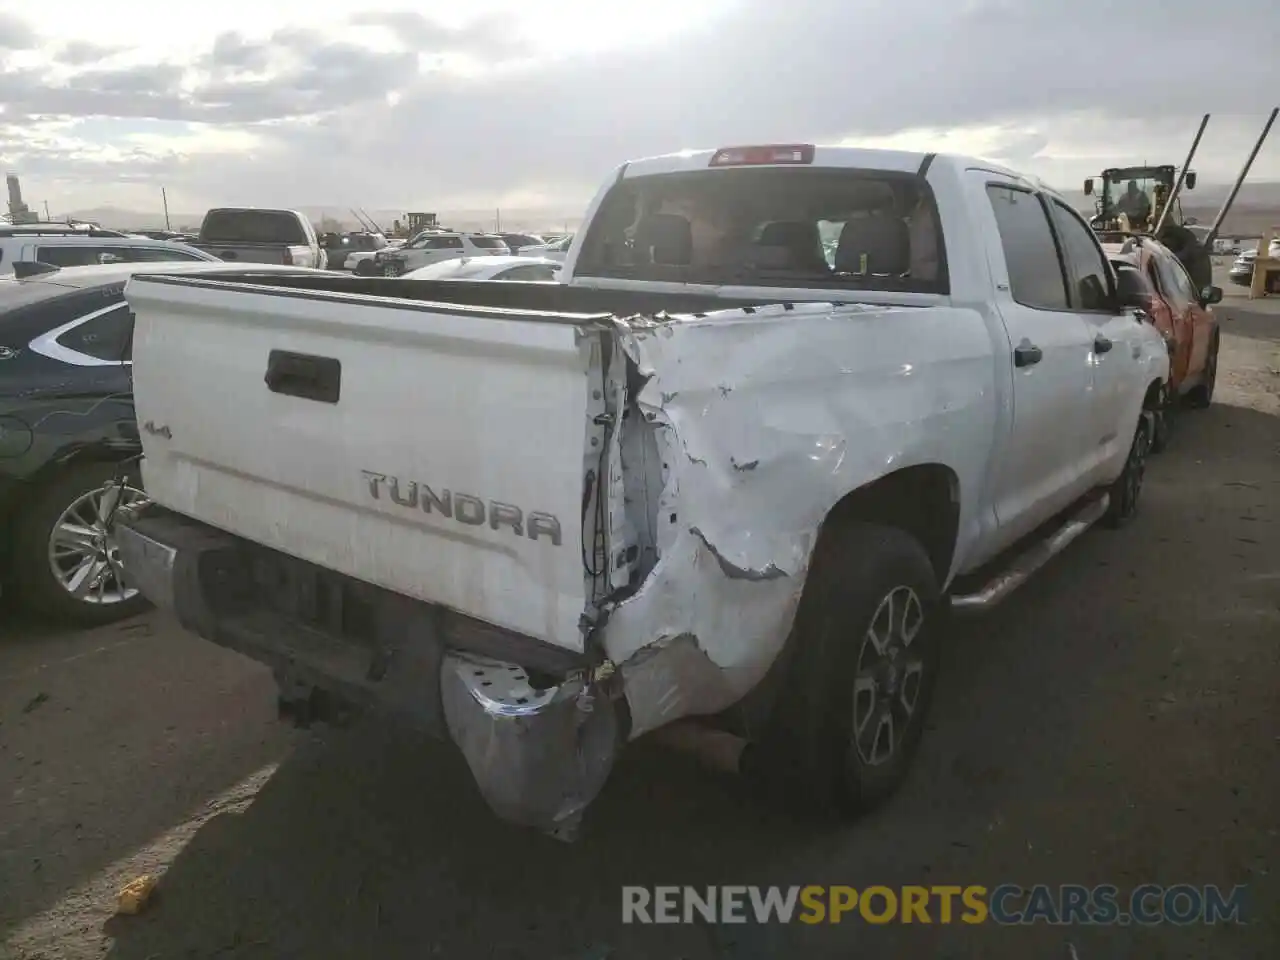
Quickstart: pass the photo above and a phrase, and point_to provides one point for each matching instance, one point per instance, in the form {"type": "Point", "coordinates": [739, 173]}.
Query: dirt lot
{"type": "Point", "coordinates": [1117, 721]}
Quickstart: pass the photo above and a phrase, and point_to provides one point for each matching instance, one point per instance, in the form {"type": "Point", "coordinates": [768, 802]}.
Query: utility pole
{"type": "Point", "coordinates": [46, 210]}
{"type": "Point", "coordinates": [497, 220]}
{"type": "Point", "coordinates": [164, 198]}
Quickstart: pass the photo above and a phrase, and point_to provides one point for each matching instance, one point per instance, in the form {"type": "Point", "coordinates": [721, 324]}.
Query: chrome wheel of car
{"type": "Point", "coordinates": [83, 553]}
{"type": "Point", "coordinates": [889, 676]}
{"type": "Point", "coordinates": [390, 270]}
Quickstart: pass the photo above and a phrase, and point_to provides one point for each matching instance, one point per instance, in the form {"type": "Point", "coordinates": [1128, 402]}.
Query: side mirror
{"type": "Point", "coordinates": [1190, 221]}
{"type": "Point", "coordinates": [1211, 295]}
{"type": "Point", "coordinates": [1190, 180]}
{"type": "Point", "coordinates": [1131, 289]}
{"type": "Point", "coordinates": [1088, 187]}
{"type": "Point", "coordinates": [105, 258]}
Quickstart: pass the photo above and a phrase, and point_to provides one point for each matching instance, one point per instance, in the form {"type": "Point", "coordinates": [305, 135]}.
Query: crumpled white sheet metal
{"type": "Point", "coordinates": [767, 419]}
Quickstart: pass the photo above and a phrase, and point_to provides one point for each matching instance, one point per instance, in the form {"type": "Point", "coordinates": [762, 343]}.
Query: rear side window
{"type": "Point", "coordinates": [106, 336]}
{"type": "Point", "coordinates": [78, 256]}
{"type": "Point", "coordinates": [252, 226]}
{"type": "Point", "coordinates": [444, 243]}
{"type": "Point", "coordinates": [489, 243]}
{"type": "Point", "coordinates": [1030, 252]}
{"type": "Point", "coordinates": [1091, 288]}
{"type": "Point", "coordinates": [770, 227]}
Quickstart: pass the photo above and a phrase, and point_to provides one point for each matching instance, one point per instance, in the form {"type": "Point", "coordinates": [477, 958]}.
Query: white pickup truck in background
{"type": "Point", "coordinates": [259, 235]}
{"type": "Point", "coordinates": [790, 406]}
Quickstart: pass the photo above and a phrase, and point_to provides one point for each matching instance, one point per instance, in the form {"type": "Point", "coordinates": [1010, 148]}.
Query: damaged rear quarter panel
{"type": "Point", "coordinates": [765, 420]}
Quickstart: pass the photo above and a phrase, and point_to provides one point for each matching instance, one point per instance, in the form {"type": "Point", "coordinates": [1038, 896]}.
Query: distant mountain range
{"type": "Point", "coordinates": [1256, 208]}
{"type": "Point", "coordinates": [516, 220]}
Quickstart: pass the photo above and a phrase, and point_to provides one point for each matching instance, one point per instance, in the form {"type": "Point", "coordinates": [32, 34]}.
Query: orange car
{"type": "Point", "coordinates": [1183, 315]}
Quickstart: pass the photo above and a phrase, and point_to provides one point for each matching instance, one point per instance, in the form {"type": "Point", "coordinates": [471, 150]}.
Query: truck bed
{"type": "Point", "coordinates": [539, 297]}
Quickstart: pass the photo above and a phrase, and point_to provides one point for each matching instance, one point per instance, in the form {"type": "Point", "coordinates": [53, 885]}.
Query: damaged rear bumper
{"type": "Point", "coordinates": [538, 731]}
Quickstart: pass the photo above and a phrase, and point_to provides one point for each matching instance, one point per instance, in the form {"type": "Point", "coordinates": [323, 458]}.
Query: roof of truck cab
{"type": "Point", "coordinates": [905, 161]}
{"type": "Point", "coordinates": [908, 161]}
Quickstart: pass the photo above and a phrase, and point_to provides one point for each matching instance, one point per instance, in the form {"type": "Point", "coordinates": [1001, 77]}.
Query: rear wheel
{"type": "Point", "coordinates": [852, 711]}
{"type": "Point", "coordinates": [66, 562]}
{"type": "Point", "coordinates": [1201, 395]}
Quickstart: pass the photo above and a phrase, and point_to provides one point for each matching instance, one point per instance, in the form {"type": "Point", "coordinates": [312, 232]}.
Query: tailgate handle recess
{"type": "Point", "coordinates": [303, 375]}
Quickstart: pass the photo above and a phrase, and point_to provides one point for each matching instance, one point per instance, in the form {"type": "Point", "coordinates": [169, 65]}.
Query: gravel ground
{"type": "Point", "coordinates": [1116, 721]}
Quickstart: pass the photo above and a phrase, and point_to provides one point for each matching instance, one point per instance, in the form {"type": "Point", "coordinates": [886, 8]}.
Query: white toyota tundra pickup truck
{"type": "Point", "coordinates": [790, 409]}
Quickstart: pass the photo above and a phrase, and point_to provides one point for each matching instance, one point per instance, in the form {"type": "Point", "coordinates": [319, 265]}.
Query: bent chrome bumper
{"type": "Point", "coordinates": [539, 754]}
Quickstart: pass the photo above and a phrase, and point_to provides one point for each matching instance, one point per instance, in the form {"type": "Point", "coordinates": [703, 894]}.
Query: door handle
{"type": "Point", "coordinates": [304, 376]}
{"type": "Point", "coordinates": [1027, 354]}
{"type": "Point", "coordinates": [1101, 344]}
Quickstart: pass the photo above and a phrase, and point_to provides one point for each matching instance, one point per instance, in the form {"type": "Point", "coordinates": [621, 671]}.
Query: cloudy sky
{"type": "Point", "coordinates": [419, 105]}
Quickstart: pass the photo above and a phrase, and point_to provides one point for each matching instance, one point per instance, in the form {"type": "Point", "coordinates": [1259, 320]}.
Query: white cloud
{"type": "Point", "coordinates": [510, 103]}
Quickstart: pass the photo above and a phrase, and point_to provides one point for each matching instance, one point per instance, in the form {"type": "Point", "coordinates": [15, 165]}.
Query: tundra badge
{"type": "Point", "coordinates": [463, 507]}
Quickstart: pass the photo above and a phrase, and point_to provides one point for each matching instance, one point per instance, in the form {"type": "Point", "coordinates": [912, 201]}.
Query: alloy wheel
{"type": "Point", "coordinates": [889, 676]}
{"type": "Point", "coordinates": [83, 553]}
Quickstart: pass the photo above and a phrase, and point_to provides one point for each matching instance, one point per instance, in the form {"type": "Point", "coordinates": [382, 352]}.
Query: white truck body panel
{"type": "Point", "coordinates": [496, 410]}
{"type": "Point", "coordinates": [753, 410]}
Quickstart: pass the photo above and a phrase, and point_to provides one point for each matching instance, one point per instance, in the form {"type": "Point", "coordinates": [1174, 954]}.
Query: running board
{"type": "Point", "coordinates": [1030, 561]}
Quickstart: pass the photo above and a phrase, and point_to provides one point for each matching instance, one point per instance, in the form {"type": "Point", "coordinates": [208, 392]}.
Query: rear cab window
{"type": "Point", "coordinates": [489, 243]}
{"type": "Point", "coordinates": [780, 226]}
{"type": "Point", "coordinates": [252, 226]}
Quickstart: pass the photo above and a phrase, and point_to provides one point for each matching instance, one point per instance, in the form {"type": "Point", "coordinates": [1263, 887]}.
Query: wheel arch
{"type": "Point", "coordinates": [922, 500]}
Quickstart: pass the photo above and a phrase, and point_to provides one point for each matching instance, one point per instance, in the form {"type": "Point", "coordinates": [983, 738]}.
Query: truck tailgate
{"type": "Point", "coordinates": [250, 252]}
{"type": "Point", "coordinates": [428, 449]}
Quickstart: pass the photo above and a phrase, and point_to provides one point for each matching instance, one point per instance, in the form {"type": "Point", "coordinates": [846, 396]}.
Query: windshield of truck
{"type": "Point", "coordinates": [771, 226]}
{"type": "Point", "coordinates": [252, 226]}
{"type": "Point", "coordinates": [1130, 193]}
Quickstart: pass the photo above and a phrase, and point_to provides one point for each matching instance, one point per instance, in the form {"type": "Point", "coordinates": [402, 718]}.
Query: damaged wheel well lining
{"type": "Point", "coordinates": [922, 500]}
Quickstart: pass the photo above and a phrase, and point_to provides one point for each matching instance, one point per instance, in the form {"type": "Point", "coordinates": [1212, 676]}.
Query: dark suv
{"type": "Point", "coordinates": [68, 440]}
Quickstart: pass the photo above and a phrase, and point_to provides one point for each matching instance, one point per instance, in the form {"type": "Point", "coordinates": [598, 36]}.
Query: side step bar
{"type": "Point", "coordinates": [1031, 560]}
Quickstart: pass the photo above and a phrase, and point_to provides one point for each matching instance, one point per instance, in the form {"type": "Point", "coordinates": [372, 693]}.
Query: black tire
{"type": "Point", "coordinates": [36, 585]}
{"type": "Point", "coordinates": [1161, 416]}
{"type": "Point", "coordinates": [1200, 397]}
{"type": "Point", "coordinates": [1126, 492]}
{"type": "Point", "coordinates": [811, 750]}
